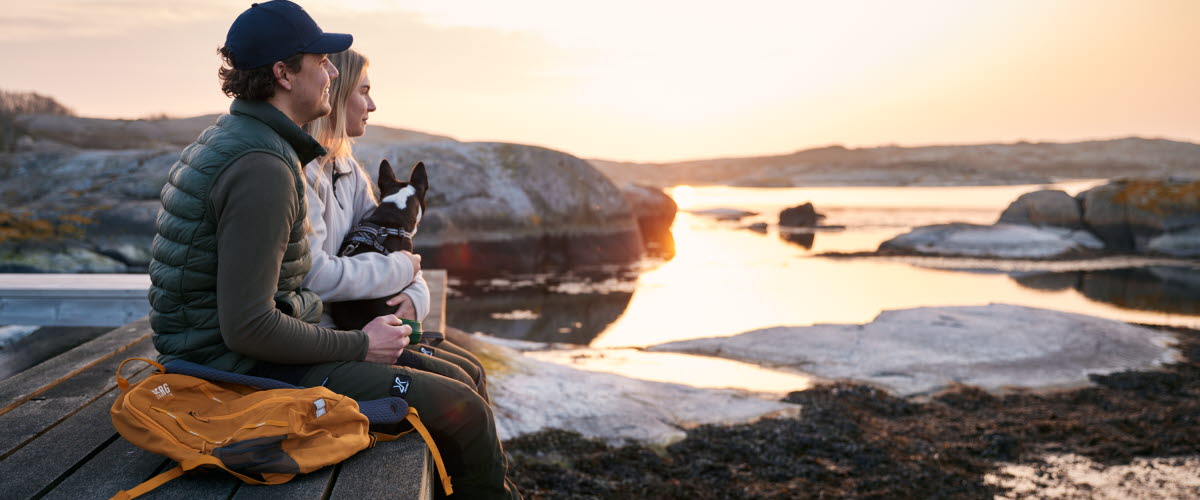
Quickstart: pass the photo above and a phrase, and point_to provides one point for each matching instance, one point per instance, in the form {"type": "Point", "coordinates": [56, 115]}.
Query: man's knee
{"type": "Point", "coordinates": [455, 404]}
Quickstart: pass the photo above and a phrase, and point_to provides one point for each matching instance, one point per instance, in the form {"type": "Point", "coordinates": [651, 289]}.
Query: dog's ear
{"type": "Point", "coordinates": [419, 179]}
{"type": "Point", "coordinates": [387, 178]}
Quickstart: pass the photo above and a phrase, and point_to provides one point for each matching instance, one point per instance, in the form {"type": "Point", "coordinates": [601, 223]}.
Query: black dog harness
{"type": "Point", "coordinates": [371, 235]}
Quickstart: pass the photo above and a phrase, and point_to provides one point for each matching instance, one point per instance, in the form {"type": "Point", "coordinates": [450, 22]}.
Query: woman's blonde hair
{"type": "Point", "coordinates": [330, 130]}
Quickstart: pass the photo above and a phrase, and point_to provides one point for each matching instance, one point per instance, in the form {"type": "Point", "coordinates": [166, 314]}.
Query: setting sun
{"type": "Point", "coordinates": [684, 196]}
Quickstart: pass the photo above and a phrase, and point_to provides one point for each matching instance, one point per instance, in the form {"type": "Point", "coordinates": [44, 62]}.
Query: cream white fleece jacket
{"type": "Point", "coordinates": [332, 212]}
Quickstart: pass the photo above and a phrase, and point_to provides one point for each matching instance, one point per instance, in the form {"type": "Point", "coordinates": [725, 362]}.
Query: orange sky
{"type": "Point", "coordinates": [658, 80]}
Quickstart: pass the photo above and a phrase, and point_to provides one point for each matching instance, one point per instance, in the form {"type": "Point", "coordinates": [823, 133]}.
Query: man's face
{"type": "Point", "coordinates": [310, 89]}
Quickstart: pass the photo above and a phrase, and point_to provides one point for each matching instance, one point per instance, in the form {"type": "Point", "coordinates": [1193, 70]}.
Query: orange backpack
{"type": "Point", "coordinates": [260, 430]}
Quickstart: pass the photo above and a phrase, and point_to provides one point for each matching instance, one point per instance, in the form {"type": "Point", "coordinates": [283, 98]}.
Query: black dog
{"type": "Point", "coordinates": [390, 228]}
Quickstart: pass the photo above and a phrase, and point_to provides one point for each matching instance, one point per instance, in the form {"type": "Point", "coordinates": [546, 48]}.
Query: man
{"type": "Point", "coordinates": [231, 251]}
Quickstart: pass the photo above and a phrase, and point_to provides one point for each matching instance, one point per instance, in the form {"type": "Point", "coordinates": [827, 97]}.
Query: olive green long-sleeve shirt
{"type": "Point", "coordinates": [255, 203]}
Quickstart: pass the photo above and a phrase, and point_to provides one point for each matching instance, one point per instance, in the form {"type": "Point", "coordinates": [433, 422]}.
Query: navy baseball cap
{"type": "Point", "coordinates": [273, 31]}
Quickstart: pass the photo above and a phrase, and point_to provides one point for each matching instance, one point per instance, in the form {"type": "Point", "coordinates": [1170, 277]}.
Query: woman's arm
{"type": "Point", "coordinates": [336, 279]}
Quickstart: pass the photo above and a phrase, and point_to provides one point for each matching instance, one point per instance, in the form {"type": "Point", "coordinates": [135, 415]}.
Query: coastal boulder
{"type": "Point", "coordinates": [1145, 215]}
{"type": "Point", "coordinates": [1007, 241]}
{"type": "Point", "coordinates": [923, 350]}
{"type": "Point", "coordinates": [800, 216]}
{"type": "Point", "coordinates": [516, 208]}
{"type": "Point", "coordinates": [1045, 208]}
{"type": "Point", "coordinates": [655, 212]}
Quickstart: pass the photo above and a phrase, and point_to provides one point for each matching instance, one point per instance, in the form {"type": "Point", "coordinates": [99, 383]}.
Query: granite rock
{"type": "Point", "coordinates": [496, 206]}
{"type": "Point", "coordinates": [922, 350]}
{"type": "Point", "coordinates": [1045, 208]}
{"type": "Point", "coordinates": [1008, 241]}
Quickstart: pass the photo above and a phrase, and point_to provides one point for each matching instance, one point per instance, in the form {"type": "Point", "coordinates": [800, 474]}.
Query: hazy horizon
{"type": "Point", "coordinates": [668, 80]}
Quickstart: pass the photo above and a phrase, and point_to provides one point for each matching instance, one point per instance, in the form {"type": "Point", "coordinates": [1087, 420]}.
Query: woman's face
{"type": "Point", "coordinates": [358, 106]}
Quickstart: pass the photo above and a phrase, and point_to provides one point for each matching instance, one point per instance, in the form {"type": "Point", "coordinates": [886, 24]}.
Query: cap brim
{"type": "Point", "coordinates": [330, 43]}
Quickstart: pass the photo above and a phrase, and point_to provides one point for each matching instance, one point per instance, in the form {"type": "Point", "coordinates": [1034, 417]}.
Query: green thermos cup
{"type": "Point", "coordinates": [414, 337]}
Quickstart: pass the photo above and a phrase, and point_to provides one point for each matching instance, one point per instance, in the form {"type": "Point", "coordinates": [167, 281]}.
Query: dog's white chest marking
{"type": "Point", "coordinates": [400, 198]}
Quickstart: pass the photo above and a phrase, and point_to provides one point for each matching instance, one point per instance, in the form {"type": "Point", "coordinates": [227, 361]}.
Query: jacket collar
{"type": "Point", "coordinates": [340, 166]}
{"type": "Point", "coordinates": [305, 146]}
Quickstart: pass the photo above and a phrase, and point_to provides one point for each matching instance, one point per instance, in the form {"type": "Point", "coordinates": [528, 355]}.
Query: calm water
{"type": "Point", "coordinates": [726, 279]}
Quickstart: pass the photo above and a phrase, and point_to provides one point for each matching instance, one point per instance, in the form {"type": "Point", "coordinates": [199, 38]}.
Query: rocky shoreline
{"type": "Point", "coordinates": [1151, 217]}
{"type": "Point", "coordinates": [81, 196]}
{"type": "Point", "coordinates": [1137, 432]}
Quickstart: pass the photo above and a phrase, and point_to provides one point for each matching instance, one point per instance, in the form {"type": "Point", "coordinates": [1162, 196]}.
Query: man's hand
{"type": "Point", "coordinates": [386, 337]}
{"type": "Point", "coordinates": [404, 306]}
{"type": "Point", "coordinates": [414, 258]}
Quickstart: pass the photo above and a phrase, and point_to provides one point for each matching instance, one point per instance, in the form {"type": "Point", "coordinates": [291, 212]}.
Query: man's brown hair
{"type": "Point", "coordinates": [254, 84]}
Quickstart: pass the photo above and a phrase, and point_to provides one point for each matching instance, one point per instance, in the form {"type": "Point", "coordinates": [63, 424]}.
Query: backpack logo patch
{"type": "Point", "coordinates": [400, 385]}
{"type": "Point", "coordinates": [426, 350]}
{"type": "Point", "coordinates": [162, 391]}
{"type": "Point", "coordinates": [320, 405]}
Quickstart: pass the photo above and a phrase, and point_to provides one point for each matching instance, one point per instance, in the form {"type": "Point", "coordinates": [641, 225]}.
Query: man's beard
{"type": "Point", "coordinates": [323, 109]}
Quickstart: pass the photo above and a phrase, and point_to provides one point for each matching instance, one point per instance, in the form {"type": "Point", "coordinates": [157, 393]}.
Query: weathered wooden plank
{"type": "Point", "coordinates": [49, 408]}
{"type": "Point", "coordinates": [42, 344]}
{"type": "Point", "coordinates": [39, 464]}
{"type": "Point", "coordinates": [82, 456]}
{"type": "Point", "coordinates": [119, 466]}
{"type": "Point", "coordinates": [22, 386]}
{"type": "Point", "coordinates": [400, 469]}
{"type": "Point", "coordinates": [197, 485]}
{"type": "Point", "coordinates": [74, 285]}
{"type": "Point", "coordinates": [310, 486]}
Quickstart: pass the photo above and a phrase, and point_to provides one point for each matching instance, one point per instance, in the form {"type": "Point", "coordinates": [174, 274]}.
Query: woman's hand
{"type": "Point", "coordinates": [415, 259]}
{"type": "Point", "coordinates": [404, 306]}
{"type": "Point", "coordinates": [386, 337]}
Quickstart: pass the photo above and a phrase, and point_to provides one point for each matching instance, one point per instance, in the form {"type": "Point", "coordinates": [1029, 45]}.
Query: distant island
{"type": "Point", "coordinates": [965, 165]}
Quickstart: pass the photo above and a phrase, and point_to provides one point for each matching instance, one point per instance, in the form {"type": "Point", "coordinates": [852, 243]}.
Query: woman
{"type": "Point", "coordinates": [339, 194]}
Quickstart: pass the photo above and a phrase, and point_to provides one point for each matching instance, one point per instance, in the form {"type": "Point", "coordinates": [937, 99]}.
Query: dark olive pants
{"type": "Point", "coordinates": [458, 418]}
{"type": "Point", "coordinates": [448, 360]}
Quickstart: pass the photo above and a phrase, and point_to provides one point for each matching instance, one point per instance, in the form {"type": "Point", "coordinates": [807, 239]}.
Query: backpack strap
{"type": "Point", "coordinates": [414, 418]}
{"type": "Point", "coordinates": [197, 370]}
{"type": "Point", "coordinates": [123, 382]}
{"type": "Point", "coordinates": [178, 470]}
{"type": "Point", "coordinates": [149, 485]}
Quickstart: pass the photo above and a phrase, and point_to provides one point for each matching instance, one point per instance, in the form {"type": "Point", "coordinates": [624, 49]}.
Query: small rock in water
{"type": "Point", "coordinates": [800, 216]}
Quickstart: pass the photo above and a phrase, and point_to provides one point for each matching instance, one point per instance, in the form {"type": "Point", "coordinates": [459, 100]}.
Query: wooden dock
{"type": "Point", "coordinates": [73, 299]}
{"type": "Point", "coordinates": [57, 441]}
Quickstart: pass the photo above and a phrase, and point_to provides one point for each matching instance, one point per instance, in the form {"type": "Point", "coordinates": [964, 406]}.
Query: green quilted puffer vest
{"type": "Point", "coordinates": [183, 272]}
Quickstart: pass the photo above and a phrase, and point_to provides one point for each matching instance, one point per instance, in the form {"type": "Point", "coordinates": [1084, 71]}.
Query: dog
{"type": "Point", "coordinates": [389, 228]}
